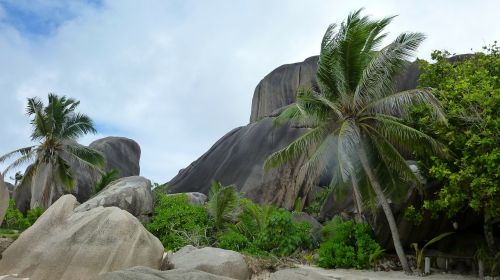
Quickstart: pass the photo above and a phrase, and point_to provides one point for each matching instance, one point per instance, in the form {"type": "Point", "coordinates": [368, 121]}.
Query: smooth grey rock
{"type": "Point", "coordinates": [121, 153]}
{"type": "Point", "coordinates": [297, 274]}
{"type": "Point", "coordinates": [194, 198]}
{"type": "Point", "coordinates": [238, 158]}
{"type": "Point", "coordinates": [132, 194]}
{"type": "Point", "coordinates": [212, 260]}
{"type": "Point", "coordinates": [315, 225]}
{"type": "Point", "coordinates": [68, 245]}
{"type": "Point", "coordinates": [4, 244]}
{"type": "Point", "coordinates": [145, 273]}
{"type": "Point", "coordinates": [12, 277]}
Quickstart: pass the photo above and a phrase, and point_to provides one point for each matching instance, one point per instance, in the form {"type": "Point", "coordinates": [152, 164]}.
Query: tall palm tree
{"type": "Point", "coordinates": [357, 117]}
{"type": "Point", "coordinates": [55, 128]}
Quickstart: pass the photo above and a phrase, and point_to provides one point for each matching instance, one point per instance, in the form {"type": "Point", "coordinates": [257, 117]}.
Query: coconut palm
{"type": "Point", "coordinates": [357, 117]}
{"type": "Point", "coordinates": [55, 128]}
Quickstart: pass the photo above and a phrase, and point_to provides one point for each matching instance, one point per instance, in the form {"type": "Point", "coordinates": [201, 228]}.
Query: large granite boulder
{"type": "Point", "coordinates": [132, 194]}
{"type": "Point", "coordinates": [238, 158]}
{"type": "Point", "coordinates": [212, 260]}
{"type": "Point", "coordinates": [279, 88]}
{"type": "Point", "coordinates": [63, 244]}
{"type": "Point", "coordinates": [145, 273]}
{"type": "Point", "coordinates": [194, 198]}
{"type": "Point", "coordinates": [4, 199]}
{"type": "Point", "coordinates": [120, 153]}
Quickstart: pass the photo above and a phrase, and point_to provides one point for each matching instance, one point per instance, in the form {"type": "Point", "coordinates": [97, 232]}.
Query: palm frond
{"type": "Point", "coordinates": [400, 104]}
{"type": "Point", "coordinates": [390, 155]}
{"type": "Point", "coordinates": [347, 143]}
{"type": "Point", "coordinates": [297, 148]}
{"type": "Point", "coordinates": [86, 157]}
{"type": "Point", "coordinates": [23, 151]}
{"type": "Point", "coordinates": [64, 173]}
{"type": "Point", "coordinates": [317, 163]}
{"type": "Point", "coordinates": [25, 158]}
{"type": "Point", "coordinates": [77, 125]}
{"type": "Point", "coordinates": [222, 203]}
{"type": "Point", "coordinates": [378, 78]}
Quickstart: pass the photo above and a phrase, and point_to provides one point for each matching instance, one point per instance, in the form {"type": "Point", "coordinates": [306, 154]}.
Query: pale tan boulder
{"type": "Point", "coordinates": [4, 199]}
{"type": "Point", "coordinates": [69, 245]}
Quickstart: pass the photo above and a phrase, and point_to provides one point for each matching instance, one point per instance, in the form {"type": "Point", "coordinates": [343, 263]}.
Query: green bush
{"type": "Point", "coordinates": [178, 223]}
{"type": "Point", "coordinates": [34, 214]}
{"type": "Point", "coordinates": [14, 219]}
{"type": "Point", "coordinates": [265, 230]}
{"type": "Point", "coordinates": [347, 245]}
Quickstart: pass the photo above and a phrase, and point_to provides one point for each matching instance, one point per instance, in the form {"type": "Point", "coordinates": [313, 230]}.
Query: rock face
{"type": "Point", "coordinates": [4, 244]}
{"type": "Point", "coordinates": [4, 199]}
{"type": "Point", "coordinates": [145, 273]}
{"type": "Point", "coordinates": [238, 158]}
{"type": "Point", "coordinates": [132, 194]}
{"type": "Point", "coordinates": [279, 87]}
{"type": "Point", "coordinates": [120, 153]}
{"type": "Point", "coordinates": [212, 260]}
{"type": "Point", "coordinates": [63, 244]}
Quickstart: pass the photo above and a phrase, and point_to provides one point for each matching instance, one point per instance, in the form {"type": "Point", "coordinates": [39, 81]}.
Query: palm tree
{"type": "Point", "coordinates": [55, 128]}
{"type": "Point", "coordinates": [357, 117]}
{"type": "Point", "coordinates": [222, 203]}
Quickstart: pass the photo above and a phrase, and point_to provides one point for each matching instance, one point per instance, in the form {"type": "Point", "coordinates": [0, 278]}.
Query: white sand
{"type": "Point", "coordinates": [352, 274]}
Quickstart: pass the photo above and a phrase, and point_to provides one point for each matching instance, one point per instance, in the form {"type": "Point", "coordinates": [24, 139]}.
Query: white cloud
{"type": "Point", "coordinates": [177, 75]}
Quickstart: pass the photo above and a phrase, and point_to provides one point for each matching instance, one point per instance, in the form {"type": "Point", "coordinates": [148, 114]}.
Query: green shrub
{"type": "Point", "coordinates": [178, 223]}
{"type": "Point", "coordinates": [34, 214]}
{"type": "Point", "coordinates": [264, 230]}
{"type": "Point", "coordinates": [347, 245]}
{"type": "Point", "coordinates": [14, 219]}
{"type": "Point", "coordinates": [222, 203]}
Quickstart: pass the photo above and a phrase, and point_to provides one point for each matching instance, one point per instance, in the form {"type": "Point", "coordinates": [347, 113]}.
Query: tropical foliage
{"type": "Point", "coordinates": [55, 129]}
{"type": "Point", "coordinates": [222, 203]}
{"type": "Point", "coordinates": [106, 179]}
{"type": "Point", "coordinates": [357, 117]}
{"type": "Point", "coordinates": [469, 88]}
{"type": "Point", "coordinates": [14, 219]}
{"type": "Point", "coordinates": [178, 223]}
{"type": "Point", "coordinates": [348, 244]}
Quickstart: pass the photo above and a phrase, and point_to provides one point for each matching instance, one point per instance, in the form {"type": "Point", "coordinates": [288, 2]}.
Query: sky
{"type": "Point", "coordinates": [176, 75]}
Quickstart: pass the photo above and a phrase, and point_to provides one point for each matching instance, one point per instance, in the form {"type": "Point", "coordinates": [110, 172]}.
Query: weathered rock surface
{"type": "Point", "coordinates": [279, 88]}
{"type": "Point", "coordinates": [63, 244]}
{"type": "Point", "coordinates": [10, 188]}
{"type": "Point", "coordinates": [4, 199]}
{"type": "Point", "coordinates": [238, 158]}
{"type": "Point", "coordinates": [132, 194]}
{"type": "Point", "coordinates": [120, 153]}
{"type": "Point", "coordinates": [212, 260]}
{"type": "Point", "coordinates": [145, 273]}
{"type": "Point", "coordinates": [4, 244]}
{"type": "Point", "coordinates": [297, 274]}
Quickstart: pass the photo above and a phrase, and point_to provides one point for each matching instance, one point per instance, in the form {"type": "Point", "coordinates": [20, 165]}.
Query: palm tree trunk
{"type": "Point", "coordinates": [387, 209]}
{"type": "Point", "coordinates": [357, 199]}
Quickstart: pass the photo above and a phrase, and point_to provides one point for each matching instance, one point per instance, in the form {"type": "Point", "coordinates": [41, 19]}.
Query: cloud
{"type": "Point", "coordinates": [177, 75]}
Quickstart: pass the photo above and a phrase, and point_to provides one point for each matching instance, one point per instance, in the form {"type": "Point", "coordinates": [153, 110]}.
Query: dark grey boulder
{"type": "Point", "coordinates": [238, 158]}
{"type": "Point", "coordinates": [146, 273]}
{"type": "Point", "coordinates": [121, 153]}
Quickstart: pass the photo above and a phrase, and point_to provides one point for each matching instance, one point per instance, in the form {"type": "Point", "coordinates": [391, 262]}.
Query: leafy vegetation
{"type": "Point", "coordinates": [106, 179]}
{"type": "Point", "coordinates": [265, 230]}
{"type": "Point", "coordinates": [222, 203]}
{"type": "Point", "coordinates": [419, 253]}
{"type": "Point", "coordinates": [56, 127]}
{"type": "Point", "coordinates": [14, 219]}
{"type": "Point", "coordinates": [356, 119]}
{"type": "Point", "coordinates": [178, 223]}
{"type": "Point", "coordinates": [347, 245]}
{"type": "Point", "coordinates": [470, 93]}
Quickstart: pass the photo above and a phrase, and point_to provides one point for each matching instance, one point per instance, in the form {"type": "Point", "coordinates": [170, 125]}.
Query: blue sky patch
{"type": "Point", "coordinates": [41, 17]}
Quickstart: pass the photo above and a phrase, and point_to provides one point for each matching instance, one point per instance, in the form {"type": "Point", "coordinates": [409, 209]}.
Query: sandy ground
{"type": "Point", "coordinates": [351, 274]}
